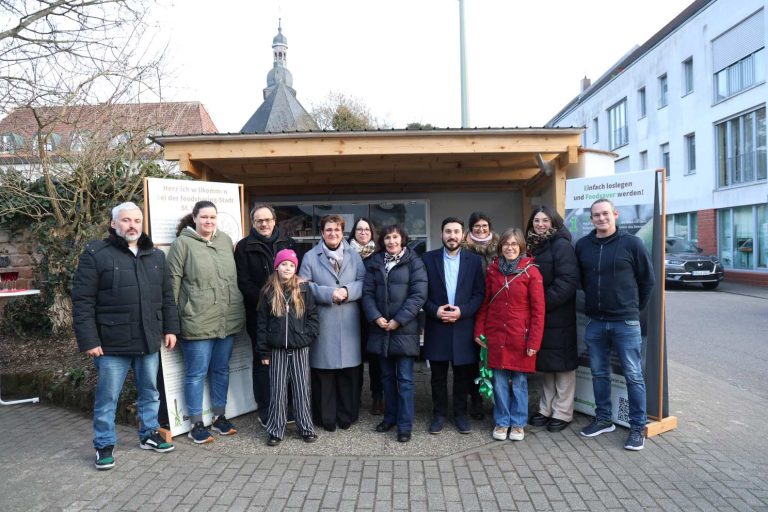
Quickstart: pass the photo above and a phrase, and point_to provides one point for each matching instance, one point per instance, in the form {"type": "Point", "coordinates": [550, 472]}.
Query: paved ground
{"type": "Point", "coordinates": [716, 460]}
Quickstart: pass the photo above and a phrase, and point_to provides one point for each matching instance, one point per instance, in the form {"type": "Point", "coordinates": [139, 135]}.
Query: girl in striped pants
{"type": "Point", "coordinates": [287, 324]}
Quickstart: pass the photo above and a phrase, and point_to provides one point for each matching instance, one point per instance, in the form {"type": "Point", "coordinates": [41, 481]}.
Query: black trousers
{"type": "Point", "coordinates": [336, 395]}
{"type": "Point", "coordinates": [463, 375]}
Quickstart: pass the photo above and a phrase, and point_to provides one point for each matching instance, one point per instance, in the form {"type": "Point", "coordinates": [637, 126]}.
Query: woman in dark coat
{"type": "Point", "coordinates": [362, 239]}
{"type": "Point", "coordinates": [549, 242]}
{"type": "Point", "coordinates": [395, 289]}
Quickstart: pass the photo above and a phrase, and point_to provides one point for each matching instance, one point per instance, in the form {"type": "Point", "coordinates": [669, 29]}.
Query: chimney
{"type": "Point", "coordinates": [585, 83]}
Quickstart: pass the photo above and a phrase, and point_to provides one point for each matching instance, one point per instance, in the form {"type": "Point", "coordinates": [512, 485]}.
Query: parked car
{"type": "Point", "coordinates": [685, 263]}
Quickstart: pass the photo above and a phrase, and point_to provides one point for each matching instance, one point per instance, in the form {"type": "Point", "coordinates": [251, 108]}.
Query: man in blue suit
{"type": "Point", "coordinates": [456, 291]}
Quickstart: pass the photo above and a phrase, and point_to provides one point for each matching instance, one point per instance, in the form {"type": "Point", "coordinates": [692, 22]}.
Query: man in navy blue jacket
{"type": "Point", "coordinates": [456, 291]}
{"type": "Point", "coordinates": [617, 278]}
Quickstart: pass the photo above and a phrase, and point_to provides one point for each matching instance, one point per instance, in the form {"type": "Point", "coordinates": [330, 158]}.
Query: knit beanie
{"type": "Point", "coordinates": [286, 255]}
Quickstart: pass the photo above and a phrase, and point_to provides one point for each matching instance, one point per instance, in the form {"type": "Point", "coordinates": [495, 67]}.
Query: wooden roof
{"type": "Point", "coordinates": [304, 163]}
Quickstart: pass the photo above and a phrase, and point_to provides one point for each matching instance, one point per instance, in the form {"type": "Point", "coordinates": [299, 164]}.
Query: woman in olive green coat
{"type": "Point", "coordinates": [201, 265]}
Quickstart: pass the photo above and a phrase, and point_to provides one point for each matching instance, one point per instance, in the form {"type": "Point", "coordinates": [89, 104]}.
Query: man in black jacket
{"type": "Point", "coordinates": [254, 257]}
{"type": "Point", "coordinates": [617, 278]}
{"type": "Point", "coordinates": [123, 306]}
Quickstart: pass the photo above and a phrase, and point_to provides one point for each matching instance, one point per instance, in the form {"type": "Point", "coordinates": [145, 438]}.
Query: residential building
{"type": "Point", "coordinates": [692, 99]}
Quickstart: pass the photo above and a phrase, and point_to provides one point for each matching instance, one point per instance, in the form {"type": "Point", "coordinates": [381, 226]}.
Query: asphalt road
{"type": "Point", "coordinates": [719, 333]}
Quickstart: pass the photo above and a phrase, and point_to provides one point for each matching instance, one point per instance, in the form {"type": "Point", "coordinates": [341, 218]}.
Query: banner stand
{"type": "Point", "coordinates": [661, 424]}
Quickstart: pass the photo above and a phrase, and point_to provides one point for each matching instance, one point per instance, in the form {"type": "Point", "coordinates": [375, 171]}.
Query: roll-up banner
{"type": "Point", "coordinates": [638, 198]}
{"type": "Point", "coordinates": [166, 202]}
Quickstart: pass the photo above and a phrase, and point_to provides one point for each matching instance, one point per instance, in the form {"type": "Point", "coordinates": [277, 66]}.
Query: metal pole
{"type": "Point", "coordinates": [463, 54]}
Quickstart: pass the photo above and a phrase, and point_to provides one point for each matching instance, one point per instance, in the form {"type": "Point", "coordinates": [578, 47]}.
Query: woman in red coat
{"type": "Point", "coordinates": [512, 321]}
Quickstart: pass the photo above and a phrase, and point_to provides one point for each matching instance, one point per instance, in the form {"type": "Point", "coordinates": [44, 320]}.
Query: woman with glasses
{"type": "Point", "coordinates": [335, 273]}
{"type": "Point", "coordinates": [549, 242]}
{"type": "Point", "coordinates": [362, 239]}
{"type": "Point", "coordinates": [510, 323]}
{"type": "Point", "coordinates": [480, 237]}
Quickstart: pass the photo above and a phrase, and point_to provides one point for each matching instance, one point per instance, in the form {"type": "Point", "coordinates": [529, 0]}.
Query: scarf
{"type": "Point", "coordinates": [390, 260]}
{"type": "Point", "coordinates": [534, 240]}
{"type": "Point", "coordinates": [481, 240]}
{"type": "Point", "coordinates": [363, 250]}
{"type": "Point", "coordinates": [335, 256]}
{"type": "Point", "coordinates": [508, 267]}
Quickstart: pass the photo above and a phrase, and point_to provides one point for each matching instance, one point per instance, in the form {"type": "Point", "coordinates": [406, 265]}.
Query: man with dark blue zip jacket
{"type": "Point", "coordinates": [617, 279]}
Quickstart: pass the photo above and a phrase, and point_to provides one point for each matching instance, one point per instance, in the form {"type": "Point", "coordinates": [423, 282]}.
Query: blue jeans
{"type": "Point", "coordinates": [510, 403]}
{"type": "Point", "coordinates": [397, 381]}
{"type": "Point", "coordinates": [112, 371]}
{"type": "Point", "coordinates": [206, 358]}
{"type": "Point", "coordinates": [625, 338]}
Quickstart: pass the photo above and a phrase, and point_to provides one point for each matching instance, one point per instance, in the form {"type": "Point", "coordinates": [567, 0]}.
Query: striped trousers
{"type": "Point", "coordinates": [290, 364]}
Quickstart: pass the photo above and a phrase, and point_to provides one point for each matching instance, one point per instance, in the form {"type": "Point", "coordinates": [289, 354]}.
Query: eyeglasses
{"type": "Point", "coordinates": [363, 230]}
{"type": "Point", "coordinates": [480, 226]}
{"type": "Point", "coordinates": [509, 245]}
{"type": "Point", "coordinates": [263, 221]}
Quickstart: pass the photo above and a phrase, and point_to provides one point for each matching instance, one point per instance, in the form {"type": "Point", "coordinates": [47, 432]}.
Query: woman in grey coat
{"type": "Point", "coordinates": [335, 273]}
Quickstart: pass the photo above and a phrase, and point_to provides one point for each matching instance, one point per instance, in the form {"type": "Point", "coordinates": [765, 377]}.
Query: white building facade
{"type": "Point", "coordinates": [692, 99]}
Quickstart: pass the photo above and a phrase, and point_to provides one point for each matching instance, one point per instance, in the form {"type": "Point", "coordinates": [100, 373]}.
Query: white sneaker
{"type": "Point", "coordinates": [516, 434]}
{"type": "Point", "coordinates": [500, 433]}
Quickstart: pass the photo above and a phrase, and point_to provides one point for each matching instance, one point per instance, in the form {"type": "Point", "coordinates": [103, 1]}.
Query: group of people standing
{"type": "Point", "coordinates": [312, 323]}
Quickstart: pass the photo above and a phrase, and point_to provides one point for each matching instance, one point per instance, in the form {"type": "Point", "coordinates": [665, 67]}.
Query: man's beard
{"type": "Point", "coordinates": [128, 238]}
{"type": "Point", "coordinates": [456, 242]}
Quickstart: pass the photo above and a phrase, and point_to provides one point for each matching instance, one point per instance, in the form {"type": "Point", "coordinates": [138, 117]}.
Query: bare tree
{"type": "Point", "coordinates": [56, 57]}
{"type": "Point", "coordinates": [344, 113]}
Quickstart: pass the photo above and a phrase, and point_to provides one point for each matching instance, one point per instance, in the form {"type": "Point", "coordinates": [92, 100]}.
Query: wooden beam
{"type": "Point", "coordinates": [187, 167]}
{"type": "Point", "coordinates": [336, 145]}
{"type": "Point", "coordinates": [558, 190]}
{"type": "Point", "coordinates": [277, 190]}
{"type": "Point", "coordinates": [448, 177]}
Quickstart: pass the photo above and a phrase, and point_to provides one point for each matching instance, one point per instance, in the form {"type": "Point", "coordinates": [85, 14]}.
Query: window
{"type": "Point", "coordinates": [690, 153]}
{"type": "Point", "coordinates": [740, 144]}
{"type": "Point", "coordinates": [51, 141]}
{"type": "Point", "coordinates": [688, 76]}
{"type": "Point", "coordinates": [643, 160]}
{"type": "Point", "coordinates": [742, 237]}
{"type": "Point", "coordinates": [683, 225]}
{"type": "Point", "coordinates": [621, 165]}
{"type": "Point", "coordinates": [740, 75]}
{"type": "Point", "coordinates": [11, 142]}
{"type": "Point", "coordinates": [618, 132]}
{"type": "Point", "coordinates": [641, 103]}
{"type": "Point", "coordinates": [595, 130]}
{"type": "Point", "coordinates": [663, 89]}
{"type": "Point", "coordinates": [665, 158]}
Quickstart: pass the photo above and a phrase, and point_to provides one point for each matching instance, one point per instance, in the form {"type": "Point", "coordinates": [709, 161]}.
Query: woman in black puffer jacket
{"type": "Point", "coordinates": [395, 289]}
{"type": "Point", "coordinates": [549, 242]}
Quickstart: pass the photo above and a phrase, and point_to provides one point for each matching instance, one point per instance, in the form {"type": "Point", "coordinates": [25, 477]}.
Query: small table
{"type": "Point", "coordinates": [9, 295]}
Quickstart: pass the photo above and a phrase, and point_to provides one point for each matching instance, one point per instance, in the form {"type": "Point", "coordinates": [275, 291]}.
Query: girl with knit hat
{"type": "Point", "coordinates": [287, 324]}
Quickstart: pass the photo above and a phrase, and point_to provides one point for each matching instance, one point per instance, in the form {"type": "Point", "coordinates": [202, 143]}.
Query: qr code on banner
{"type": "Point", "coordinates": [623, 409]}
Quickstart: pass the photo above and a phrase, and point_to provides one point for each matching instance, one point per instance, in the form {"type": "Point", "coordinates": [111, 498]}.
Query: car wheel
{"type": "Point", "coordinates": [710, 286]}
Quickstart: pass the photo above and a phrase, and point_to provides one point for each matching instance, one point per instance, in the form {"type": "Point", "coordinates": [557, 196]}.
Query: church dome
{"type": "Point", "coordinates": [279, 74]}
{"type": "Point", "coordinates": [279, 39]}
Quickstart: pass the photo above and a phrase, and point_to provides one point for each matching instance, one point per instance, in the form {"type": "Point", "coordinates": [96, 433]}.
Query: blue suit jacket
{"type": "Point", "coordinates": [453, 342]}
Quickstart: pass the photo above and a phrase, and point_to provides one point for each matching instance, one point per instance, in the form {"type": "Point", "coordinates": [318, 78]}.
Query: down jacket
{"type": "Point", "coordinates": [556, 261]}
{"type": "Point", "coordinates": [397, 295]}
{"type": "Point", "coordinates": [513, 321]}
{"type": "Point", "coordinates": [121, 302]}
{"type": "Point", "coordinates": [204, 281]}
{"type": "Point", "coordinates": [286, 332]}
{"type": "Point", "coordinates": [254, 258]}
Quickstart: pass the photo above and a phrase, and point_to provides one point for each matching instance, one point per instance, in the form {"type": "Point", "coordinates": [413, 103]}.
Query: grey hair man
{"type": "Point", "coordinates": [123, 309]}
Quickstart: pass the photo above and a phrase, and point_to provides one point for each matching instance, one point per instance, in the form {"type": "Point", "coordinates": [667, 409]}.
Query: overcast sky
{"type": "Point", "coordinates": [401, 58]}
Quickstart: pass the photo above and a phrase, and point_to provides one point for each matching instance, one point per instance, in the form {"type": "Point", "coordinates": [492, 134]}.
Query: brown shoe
{"type": "Point", "coordinates": [377, 408]}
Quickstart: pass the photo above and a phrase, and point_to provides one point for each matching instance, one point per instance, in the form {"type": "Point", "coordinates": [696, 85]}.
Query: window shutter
{"type": "Point", "coordinates": [745, 38]}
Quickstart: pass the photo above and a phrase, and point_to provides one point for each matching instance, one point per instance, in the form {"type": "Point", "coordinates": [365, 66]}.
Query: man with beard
{"type": "Point", "coordinates": [254, 257]}
{"type": "Point", "coordinates": [122, 307]}
{"type": "Point", "coordinates": [456, 291]}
